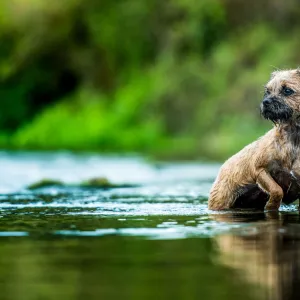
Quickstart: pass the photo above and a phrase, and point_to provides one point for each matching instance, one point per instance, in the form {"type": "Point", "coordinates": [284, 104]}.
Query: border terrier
{"type": "Point", "coordinates": [266, 172]}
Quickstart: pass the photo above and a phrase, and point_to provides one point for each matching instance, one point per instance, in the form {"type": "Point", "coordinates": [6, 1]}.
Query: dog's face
{"type": "Point", "coordinates": [282, 96]}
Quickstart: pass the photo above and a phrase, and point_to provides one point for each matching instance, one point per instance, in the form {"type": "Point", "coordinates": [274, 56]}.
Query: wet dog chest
{"type": "Point", "coordinates": [287, 158]}
{"type": "Point", "coordinates": [280, 172]}
{"type": "Point", "coordinates": [275, 166]}
{"type": "Point", "coordinates": [292, 161]}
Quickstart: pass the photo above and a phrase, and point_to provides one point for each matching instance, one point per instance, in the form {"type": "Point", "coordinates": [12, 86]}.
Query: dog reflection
{"type": "Point", "coordinates": [266, 254]}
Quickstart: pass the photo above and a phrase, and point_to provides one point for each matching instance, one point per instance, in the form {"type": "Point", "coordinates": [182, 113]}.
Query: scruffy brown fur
{"type": "Point", "coordinates": [267, 171]}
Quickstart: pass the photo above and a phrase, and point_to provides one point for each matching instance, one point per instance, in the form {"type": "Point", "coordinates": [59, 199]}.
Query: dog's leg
{"type": "Point", "coordinates": [267, 183]}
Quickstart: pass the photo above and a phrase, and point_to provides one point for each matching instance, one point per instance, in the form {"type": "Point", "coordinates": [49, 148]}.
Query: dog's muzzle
{"type": "Point", "coordinates": [275, 110]}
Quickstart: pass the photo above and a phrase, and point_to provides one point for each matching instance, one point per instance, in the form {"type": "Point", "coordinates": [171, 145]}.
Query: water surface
{"type": "Point", "coordinates": [155, 240]}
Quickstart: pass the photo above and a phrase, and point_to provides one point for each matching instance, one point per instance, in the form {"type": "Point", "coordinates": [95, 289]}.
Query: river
{"type": "Point", "coordinates": [149, 236]}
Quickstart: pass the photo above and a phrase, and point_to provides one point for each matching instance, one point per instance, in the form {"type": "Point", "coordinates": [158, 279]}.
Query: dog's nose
{"type": "Point", "coordinates": [267, 101]}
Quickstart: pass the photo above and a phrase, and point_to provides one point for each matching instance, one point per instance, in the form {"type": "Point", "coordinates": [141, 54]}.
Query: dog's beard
{"type": "Point", "coordinates": [277, 112]}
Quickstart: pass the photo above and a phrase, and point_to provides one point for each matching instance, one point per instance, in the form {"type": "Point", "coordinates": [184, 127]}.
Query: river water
{"type": "Point", "coordinates": [152, 239]}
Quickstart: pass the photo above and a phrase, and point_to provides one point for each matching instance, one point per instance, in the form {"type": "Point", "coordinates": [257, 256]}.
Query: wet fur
{"type": "Point", "coordinates": [267, 171]}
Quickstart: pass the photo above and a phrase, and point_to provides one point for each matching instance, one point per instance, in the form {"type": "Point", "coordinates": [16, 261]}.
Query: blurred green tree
{"type": "Point", "coordinates": [175, 77]}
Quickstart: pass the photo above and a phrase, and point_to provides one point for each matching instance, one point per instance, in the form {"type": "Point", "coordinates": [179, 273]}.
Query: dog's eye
{"type": "Point", "coordinates": [267, 92]}
{"type": "Point", "coordinates": [287, 91]}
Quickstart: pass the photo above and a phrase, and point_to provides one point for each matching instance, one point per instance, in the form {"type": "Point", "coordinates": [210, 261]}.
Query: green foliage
{"type": "Point", "coordinates": [89, 121]}
{"type": "Point", "coordinates": [176, 78]}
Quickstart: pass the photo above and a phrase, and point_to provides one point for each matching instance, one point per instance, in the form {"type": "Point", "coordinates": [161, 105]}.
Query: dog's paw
{"type": "Point", "coordinates": [272, 207]}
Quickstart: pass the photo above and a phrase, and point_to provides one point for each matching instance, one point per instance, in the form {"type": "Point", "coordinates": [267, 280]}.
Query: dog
{"type": "Point", "coordinates": [267, 171]}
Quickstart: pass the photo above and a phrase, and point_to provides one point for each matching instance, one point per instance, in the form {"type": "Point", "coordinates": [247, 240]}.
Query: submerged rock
{"type": "Point", "coordinates": [103, 182]}
{"type": "Point", "coordinates": [45, 183]}
{"type": "Point", "coordinates": [98, 182]}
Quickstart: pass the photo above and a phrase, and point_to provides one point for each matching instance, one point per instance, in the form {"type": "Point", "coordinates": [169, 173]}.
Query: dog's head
{"type": "Point", "coordinates": [281, 101]}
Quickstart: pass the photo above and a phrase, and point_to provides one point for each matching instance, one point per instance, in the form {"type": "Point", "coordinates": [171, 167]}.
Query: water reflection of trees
{"type": "Point", "coordinates": [259, 261]}
{"type": "Point", "coordinates": [265, 254]}
{"type": "Point", "coordinates": [114, 268]}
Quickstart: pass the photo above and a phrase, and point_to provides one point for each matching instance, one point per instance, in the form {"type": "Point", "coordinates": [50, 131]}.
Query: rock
{"type": "Point", "coordinates": [102, 182]}
{"type": "Point", "coordinates": [97, 182]}
{"type": "Point", "coordinates": [45, 183]}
